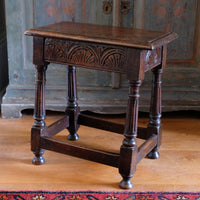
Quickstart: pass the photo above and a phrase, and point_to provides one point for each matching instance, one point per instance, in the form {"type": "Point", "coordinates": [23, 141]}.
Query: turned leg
{"type": "Point", "coordinates": [73, 109]}
{"type": "Point", "coordinates": [154, 126]}
{"type": "Point", "coordinates": [128, 151]}
{"type": "Point", "coordinates": [39, 115]}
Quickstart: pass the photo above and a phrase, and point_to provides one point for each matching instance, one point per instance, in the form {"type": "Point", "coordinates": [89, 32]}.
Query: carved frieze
{"type": "Point", "coordinates": [152, 58]}
{"type": "Point", "coordinates": [82, 55]}
{"type": "Point", "coordinates": [113, 57]}
{"type": "Point", "coordinates": [86, 55]}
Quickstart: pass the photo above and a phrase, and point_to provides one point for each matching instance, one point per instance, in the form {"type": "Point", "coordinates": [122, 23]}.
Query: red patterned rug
{"type": "Point", "coordinates": [92, 195]}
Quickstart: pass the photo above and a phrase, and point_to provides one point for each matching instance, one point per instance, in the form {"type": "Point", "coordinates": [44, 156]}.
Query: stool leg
{"type": "Point", "coordinates": [73, 109]}
{"type": "Point", "coordinates": [128, 151]}
{"type": "Point", "coordinates": [39, 115]}
{"type": "Point", "coordinates": [154, 126]}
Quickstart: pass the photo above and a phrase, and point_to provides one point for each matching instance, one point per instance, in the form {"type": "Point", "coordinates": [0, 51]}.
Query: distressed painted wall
{"type": "Point", "coordinates": [181, 77]}
{"type": "Point", "coordinates": [3, 51]}
{"type": "Point", "coordinates": [179, 16]}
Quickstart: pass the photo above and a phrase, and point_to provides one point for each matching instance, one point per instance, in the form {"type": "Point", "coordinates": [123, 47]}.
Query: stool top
{"type": "Point", "coordinates": [129, 37]}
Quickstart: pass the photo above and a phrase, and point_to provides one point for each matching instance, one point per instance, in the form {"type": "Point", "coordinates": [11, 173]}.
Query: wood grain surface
{"type": "Point", "coordinates": [177, 169]}
{"type": "Point", "coordinates": [104, 34]}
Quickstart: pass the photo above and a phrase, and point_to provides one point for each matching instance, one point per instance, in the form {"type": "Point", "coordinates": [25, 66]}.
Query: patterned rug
{"type": "Point", "coordinates": [92, 195]}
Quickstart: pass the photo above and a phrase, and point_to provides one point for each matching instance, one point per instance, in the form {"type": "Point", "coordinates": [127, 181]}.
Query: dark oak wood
{"type": "Point", "coordinates": [115, 49]}
{"type": "Point", "coordinates": [137, 38]}
{"type": "Point", "coordinates": [155, 107]}
{"type": "Point", "coordinates": [56, 127]}
{"type": "Point", "coordinates": [39, 115]}
{"type": "Point", "coordinates": [128, 150]}
{"type": "Point", "coordinates": [72, 149]}
{"type": "Point", "coordinates": [147, 146]}
{"type": "Point", "coordinates": [73, 109]}
{"type": "Point", "coordinates": [95, 122]}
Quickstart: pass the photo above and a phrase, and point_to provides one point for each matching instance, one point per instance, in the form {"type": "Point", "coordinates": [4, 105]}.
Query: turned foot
{"type": "Point", "coordinates": [153, 155]}
{"type": "Point", "coordinates": [73, 137]}
{"type": "Point", "coordinates": [38, 160]}
{"type": "Point", "coordinates": [126, 183]}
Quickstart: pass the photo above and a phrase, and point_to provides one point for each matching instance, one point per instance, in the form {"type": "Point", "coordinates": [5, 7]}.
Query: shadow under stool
{"type": "Point", "coordinates": [115, 49]}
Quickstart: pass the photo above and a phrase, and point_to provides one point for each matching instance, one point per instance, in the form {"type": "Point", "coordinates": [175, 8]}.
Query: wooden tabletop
{"type": "Point", "coordinates": [137, 38]}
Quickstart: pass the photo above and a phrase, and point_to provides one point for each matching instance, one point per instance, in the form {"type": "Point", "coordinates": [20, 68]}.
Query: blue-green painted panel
{"type": "Point", "coordinates": [174, 15]}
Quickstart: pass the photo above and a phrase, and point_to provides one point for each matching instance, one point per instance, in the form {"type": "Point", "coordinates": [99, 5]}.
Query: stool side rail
{"type": "Point", "coordinates": [105, 125]}
{"type": "Point", "coordinates": [91, 121]}
{"type": "Point", "coordinates": [146, 147]}
{"type": "Point", "coordinates": [56, 127]}
{"type": "Point", "coordinates": [99, 156]}
{"type": "Point", "coordinates": [107, 158]}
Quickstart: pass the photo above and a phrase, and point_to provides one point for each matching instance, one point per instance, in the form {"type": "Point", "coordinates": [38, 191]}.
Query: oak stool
{"type": "Point", "coordinates": [114, 49]}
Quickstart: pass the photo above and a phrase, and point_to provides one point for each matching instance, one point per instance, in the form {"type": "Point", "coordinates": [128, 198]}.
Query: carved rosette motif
{"type": "Point", "coordinates": [85, 54]}
{"type": "Point", "coordinates": [82, 55]}
{"type": "Point", "coordinates": [55, 51]}
{"type": "Point", "coordinates": [113, 58]}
